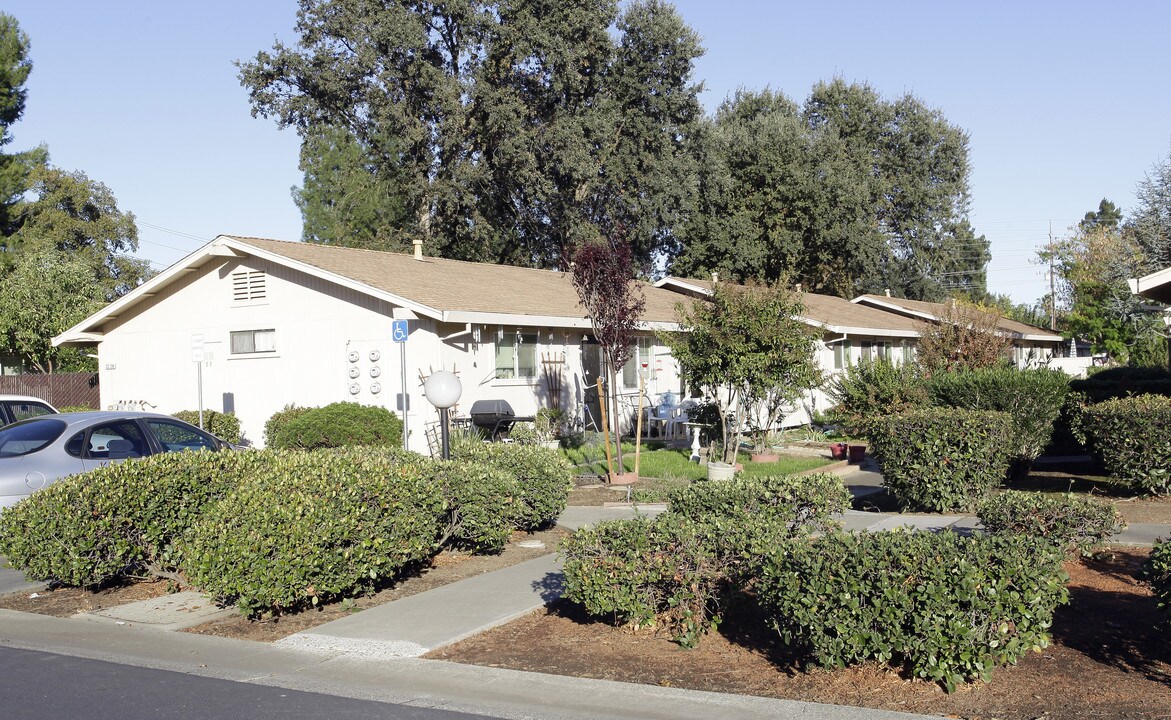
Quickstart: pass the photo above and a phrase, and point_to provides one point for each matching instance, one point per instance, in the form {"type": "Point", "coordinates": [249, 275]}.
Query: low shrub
{"type": "Point", "coordinates": [544, 478]}
{"type": "Point", "coordinates": [1034, 398]}
{"type": "Point", "coordinates": [1157, 571]}
{"type": "Point", "coordinates": [1071, 522]}
{"type": "Point", "coordinates": [277, 421]}
{"type": "Point", "coordinates": [950, 608]}
{"type": "Point", "coordinates": [481, 504]}
{"type": "Point", "coordinates": [119, 521]}
{"type": "Point", "coordinates": [646, 573]}
{"type": "Point", "coordinates": [339, 425]}
{"type": "Point", "coordinates": [872, 388]}
{"type": "Point", "coordinates": [745, 518]}
{"type": "Point", "coordinates": [225, 426]}
{"type": "Point", "coordinates": [942, 459]}
{"type": "Point", "coordinates": [315, 527]}
{"type": "Point", "coordinates": [1132, 438]}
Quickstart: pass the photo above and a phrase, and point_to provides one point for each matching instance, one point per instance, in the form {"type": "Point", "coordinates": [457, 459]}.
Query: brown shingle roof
{"type": "Point", "coordinates": [937, 310]}
{"type": "Point", "coordinates": [831, 310]}
{"type": "Point", "coordinates": [456, 285]}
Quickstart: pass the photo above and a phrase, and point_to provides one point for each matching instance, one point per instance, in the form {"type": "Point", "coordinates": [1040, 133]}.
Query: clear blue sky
{"type": "Point", "coordinates": [1065, 102]}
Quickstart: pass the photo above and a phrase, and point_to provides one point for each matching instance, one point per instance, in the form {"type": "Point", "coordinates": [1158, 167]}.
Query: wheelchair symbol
{"type": "Point", "coordinates": [399, 331]}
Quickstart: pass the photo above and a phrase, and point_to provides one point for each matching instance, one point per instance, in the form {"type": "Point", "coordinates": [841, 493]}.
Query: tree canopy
{"type": "Point", "coordinates": [847, 194]}
{"type": "Point", "coordinates": [516, 129]}
{"type": "Point", "coordinates": [745, 345]}
{"type": "Point", "coordinates": [1151, 223]}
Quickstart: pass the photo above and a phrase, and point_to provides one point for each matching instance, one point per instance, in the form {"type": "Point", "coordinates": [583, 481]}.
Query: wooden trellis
{"type": "Point", "coordinates": [553, 365]}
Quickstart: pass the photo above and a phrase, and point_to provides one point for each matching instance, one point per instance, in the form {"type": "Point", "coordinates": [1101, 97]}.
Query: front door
{"type": "Point", "coordinates": [591, 365]}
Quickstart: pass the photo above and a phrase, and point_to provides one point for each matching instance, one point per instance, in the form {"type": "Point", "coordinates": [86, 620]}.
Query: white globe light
{"type": "Point", "coordinates": [442, 389]}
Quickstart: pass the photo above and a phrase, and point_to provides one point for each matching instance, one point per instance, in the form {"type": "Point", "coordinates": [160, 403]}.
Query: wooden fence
{"type": "Point", "coordinates": [60, 389]}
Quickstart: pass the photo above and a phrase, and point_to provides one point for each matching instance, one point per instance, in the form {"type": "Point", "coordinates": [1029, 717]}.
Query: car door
{"type": "Point", "coordinates": [109, 442]}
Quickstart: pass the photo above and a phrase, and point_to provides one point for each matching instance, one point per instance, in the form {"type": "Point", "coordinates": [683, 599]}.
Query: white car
{"type": "Point", "coordinates": [14, 408]}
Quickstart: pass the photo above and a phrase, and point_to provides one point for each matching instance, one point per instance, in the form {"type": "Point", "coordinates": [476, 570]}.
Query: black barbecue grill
{"type": "Point", "coordinates": [494, 417]}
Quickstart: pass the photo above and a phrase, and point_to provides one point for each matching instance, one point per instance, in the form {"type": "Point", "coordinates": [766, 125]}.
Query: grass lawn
{"type": "Point", "coordinates": [673, 464]}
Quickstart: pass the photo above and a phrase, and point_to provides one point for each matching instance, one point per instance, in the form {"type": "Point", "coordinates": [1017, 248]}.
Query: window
{"type": "Point", "coordinates": [29, 437]}
{"type": "Point", "coordinates": [115, 440]}
{"type": "Point", "coordinates": [175, 437]}
{"type": "Point", "coordinates": [25, 409]}
{"type": "Point", "coordinates": [908, 351]}
{"type": "Point", "coordinates": [245, 342]}
{"type": "Point", "coordinates": [248, 286]}
{"type": "Point", "coordinates": [643, 354]}
{"type": "Point", "coordinates": [841, 355]}
{"type": "Point", "coordinates": [882, 351]}
{"type": "Point", "coordinates": [516, 355]}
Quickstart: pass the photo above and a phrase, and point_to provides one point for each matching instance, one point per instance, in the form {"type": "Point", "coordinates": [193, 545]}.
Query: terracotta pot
{"type": "Point", "coordinates": [623, 478]}
{"type": "Point", "coordinates": [837, 450]}
{"type": "Point", "coordinates": [857, 453]}
{"type": "Point", "coordinates": [765, 457]}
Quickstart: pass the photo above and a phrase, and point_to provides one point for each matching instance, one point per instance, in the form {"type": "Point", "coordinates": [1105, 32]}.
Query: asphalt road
{"type": "Point", "coordinates": [43, 686]}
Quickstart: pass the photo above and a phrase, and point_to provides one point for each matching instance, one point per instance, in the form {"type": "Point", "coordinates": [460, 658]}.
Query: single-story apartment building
{"type": "Point", "coordinates": [256, 324]}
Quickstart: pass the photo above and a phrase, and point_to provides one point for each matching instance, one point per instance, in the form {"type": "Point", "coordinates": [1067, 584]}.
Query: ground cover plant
{"type": "Point", "coordinates": [1071, 522]}
{"type": "Point", "coordinates": [674, 464]}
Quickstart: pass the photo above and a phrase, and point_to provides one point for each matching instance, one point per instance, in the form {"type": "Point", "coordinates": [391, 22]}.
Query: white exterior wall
{"type": "Point", "coordinates": [145, 359]}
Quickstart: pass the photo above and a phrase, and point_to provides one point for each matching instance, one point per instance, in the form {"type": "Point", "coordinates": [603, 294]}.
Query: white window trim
{"type": "Point", "coordinates": [517, 379]}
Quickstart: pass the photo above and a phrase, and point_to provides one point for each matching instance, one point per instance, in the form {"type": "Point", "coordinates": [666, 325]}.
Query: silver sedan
{"type": "Point", "coordinates": [39, 451]}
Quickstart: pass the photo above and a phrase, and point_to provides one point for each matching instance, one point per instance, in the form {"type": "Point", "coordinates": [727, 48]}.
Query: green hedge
{"type": "Point", "coordinates": [1071, 522]}
{"type": "Point", "coordinates": [942, 459]}
{"type": "Point", "coordinates": [481, 504]}
{"type": "Point", "coordinates": [338, 425]}
{"type": "Point", "coordinates": [118, 521]}
{"type": "Point", "coordinates": [677, 570]}
{"type": "Point", "coordinates": [225, 426]}
{"type": "Point", "coordinates": [315, 527]}
{"type": "Point", "coordinates": [544, 478]}
{"type": "Point", "coordinates": [1157, 571]}
{"type": "Point", "coordinates": [1132, 439]}
{"type": "Point", "coordinates": [872, 388]}
{"type": "Point", "coordinates": [950, 608]}
{"type": "Point", "coordinates": [1119, 382]}
{"type": "Point", "coordinates": [745, 518]}
{"type": "Point", "coordinates": [1034, 398]}
{"type": "Point", "coordinates": [660, 572]}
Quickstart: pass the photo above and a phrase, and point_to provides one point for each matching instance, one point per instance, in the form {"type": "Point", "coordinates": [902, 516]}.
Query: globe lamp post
{"type": "Point", "coordinates": [442, 390]}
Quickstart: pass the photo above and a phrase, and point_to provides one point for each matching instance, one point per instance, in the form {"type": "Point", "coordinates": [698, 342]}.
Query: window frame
{"type": "Point", "coordinates": [519, 341]}
{"type": "Point", "coordinates": [233, 334]}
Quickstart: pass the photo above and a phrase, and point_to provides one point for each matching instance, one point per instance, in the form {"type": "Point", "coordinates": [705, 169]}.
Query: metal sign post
{"type": "Point", "coordinates": [398, 333]}
{"type": "Point", "coordinates": [197, 358]}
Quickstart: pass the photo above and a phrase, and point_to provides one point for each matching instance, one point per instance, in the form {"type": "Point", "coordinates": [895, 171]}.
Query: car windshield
{"type": "Point", "coordinates": [29, 436]}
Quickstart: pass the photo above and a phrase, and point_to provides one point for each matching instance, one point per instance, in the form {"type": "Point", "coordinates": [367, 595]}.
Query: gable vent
{"type": "Point", "coordinates": [248, 285]}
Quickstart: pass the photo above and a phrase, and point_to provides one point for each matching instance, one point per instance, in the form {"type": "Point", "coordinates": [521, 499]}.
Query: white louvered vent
{"type": "Point", "coordinates": [248, 286]}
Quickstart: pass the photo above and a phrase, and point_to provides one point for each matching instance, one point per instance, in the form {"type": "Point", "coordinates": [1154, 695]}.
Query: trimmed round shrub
{"type": "Point", "coordinates": [543, 476]}
{"type": "Point", "coordinates": [1132, 439]}
{"type": "Point", "coordinates": [949, 608]}
{"type": "Point", "coordinates": [314, 527]}
{"type": "Point", "coordinates": [1071, 522]}
{"type": "Point", "coordinates": [338, 425]}
{"type": "Point", "coordinates": [872, 388]}
{"type": "Point", "coordinates": [942, 459]}
{"type": "Point", "coordinates": [118, 521]}
{"type": "Point", "coordinates": [277, 421]}
{"type": "Point", "coordinates": [1034, 398]}
{"type": "Point", "coordinates": [225, 426]}
{"type": "Point", "coordinates": [1157, 570]}
{"type": "Point", "coordinates": [644, 572]}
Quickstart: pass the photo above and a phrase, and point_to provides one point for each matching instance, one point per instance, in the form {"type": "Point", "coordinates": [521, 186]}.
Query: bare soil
{"type": "Point", "coordinates": [1108, 658]}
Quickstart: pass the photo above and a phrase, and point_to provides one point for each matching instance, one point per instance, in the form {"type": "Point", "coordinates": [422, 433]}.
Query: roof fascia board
{"type": "Point", "coordinates": [1150, 282]}
{"type": "Point", "coordinates": [682, 284]}
{"type": "Point", "coordinates": [539, 321]}
{"type": "Point", "coordinates": [893, 307]}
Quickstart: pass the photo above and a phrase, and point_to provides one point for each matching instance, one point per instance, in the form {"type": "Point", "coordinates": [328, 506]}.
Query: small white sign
{"type": "Point", "coordinates": [196, 348]}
